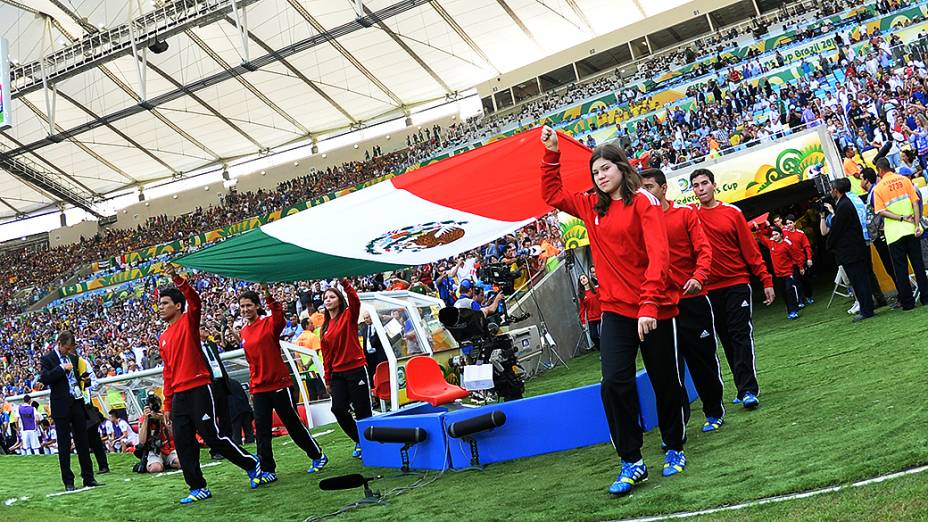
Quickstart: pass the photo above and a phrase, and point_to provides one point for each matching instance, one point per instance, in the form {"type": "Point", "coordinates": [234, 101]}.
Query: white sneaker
{"type": "Point", "coordinates": [854, 309]}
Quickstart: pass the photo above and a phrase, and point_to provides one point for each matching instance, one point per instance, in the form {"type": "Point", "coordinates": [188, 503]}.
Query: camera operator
{"type": "Point", "coordinates": [156, 445]}
{"type": "Point", "coordinates": [842, 226]}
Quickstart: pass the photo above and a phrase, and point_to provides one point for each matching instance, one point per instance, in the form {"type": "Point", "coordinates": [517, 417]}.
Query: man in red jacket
{"type": "Point", "coordinates": [690, 263]}
{"type": "Point", "coordinates": [734, 256]}
{"type": "Point", "coordinates": [188, 397]}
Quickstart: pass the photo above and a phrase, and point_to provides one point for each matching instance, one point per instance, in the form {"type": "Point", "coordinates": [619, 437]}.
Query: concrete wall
{"type": "Point", "coordinates": [554, 297]}
{"type": "Point", "coordinates": [72, 234]}
{"type": "Point", "coordinates": [602, 43]}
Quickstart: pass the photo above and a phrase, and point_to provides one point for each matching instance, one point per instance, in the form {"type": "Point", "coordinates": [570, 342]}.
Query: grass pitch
{"type": "Point", "coordinates": [840, 402]}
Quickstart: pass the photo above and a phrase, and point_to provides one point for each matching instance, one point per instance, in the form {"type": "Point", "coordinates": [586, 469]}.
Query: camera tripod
{"type": "Point", "coordinates": [570, 261]}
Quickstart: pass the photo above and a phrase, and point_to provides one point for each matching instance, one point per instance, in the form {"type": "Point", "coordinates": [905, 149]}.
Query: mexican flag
{"type": "Point", "coordinates": [432, 213]}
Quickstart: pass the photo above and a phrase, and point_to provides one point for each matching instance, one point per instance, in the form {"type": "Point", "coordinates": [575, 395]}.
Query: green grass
{"type": "Point", "coordinates": [840, 403]}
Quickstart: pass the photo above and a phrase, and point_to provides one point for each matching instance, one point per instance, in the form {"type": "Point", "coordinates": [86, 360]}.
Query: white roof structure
{"type": "Point", "coordinates": [424, 53]}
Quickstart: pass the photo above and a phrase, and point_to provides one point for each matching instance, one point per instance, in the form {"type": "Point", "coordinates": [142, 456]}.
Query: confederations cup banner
{"type": "Point", "coordinates": [761, 170]}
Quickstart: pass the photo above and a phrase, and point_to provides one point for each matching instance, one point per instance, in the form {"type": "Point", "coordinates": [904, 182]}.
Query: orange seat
{"type": "Point", "coordinates": [425, 382]}
{"type": "Point", "coordinates": [382, 381]}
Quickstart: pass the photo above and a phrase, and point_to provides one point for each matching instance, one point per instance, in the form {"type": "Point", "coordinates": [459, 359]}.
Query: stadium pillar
{"type": "Point", "coordinates": [64, 219]}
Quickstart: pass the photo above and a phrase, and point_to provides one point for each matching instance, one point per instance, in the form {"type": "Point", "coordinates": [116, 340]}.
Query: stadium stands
{"type": "Point", "coordinates": [863, 79]}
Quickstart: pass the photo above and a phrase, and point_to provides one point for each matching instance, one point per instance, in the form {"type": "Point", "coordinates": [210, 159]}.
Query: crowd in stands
{"type": "Point", "coordinates": [879, 103]}
{"type": "Point", "coordinates": [118, 330]}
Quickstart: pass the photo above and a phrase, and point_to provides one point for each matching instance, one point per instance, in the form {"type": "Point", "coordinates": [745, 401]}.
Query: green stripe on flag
{"type": "Point", "coordinates": [246, 257]}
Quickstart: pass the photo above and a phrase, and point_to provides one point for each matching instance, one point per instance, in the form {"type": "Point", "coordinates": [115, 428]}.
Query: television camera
{"type": "Point", "coordinates": [482, 343]}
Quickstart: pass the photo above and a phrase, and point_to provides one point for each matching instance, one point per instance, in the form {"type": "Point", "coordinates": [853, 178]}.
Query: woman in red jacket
{"type": "Point", "coordinates": [628, 240]}
{"type": "Point", "coordinates": [345, 366]}
{"type": "Point", "coordinates": [269, 380]}
{"type": "Point", "coordinates": [590, 308]}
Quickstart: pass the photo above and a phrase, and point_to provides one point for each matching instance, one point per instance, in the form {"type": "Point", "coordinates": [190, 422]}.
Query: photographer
{"type": "Point", "coordinates": [156, 445]}
{"type": "Point", "coordinates": [842, 226]}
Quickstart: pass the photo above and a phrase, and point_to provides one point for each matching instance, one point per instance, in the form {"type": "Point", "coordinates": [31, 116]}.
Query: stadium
{"type": "Point", "coordinates": [442, 260]}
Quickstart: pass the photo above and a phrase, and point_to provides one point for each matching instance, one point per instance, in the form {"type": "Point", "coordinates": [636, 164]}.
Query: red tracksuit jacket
{"type": "Point", "coordinates": [785, 256]}
{"type": "Point", "coordinates": [266, 368]}
{"type": "Point", "coordinates": [590, 307]}
{"type": "Point", "coordinates": [801, 240]}
{"type": "Point", "coordinates": [184, 365]}
{"type": "Point", "coordinates": [734, 250]}
{"type": "Point", "coordinates": [341, 350]}
{"type": "Point", "coordinates": [629, 245]}
{"type": "Point", "coordinates": [690, 251]}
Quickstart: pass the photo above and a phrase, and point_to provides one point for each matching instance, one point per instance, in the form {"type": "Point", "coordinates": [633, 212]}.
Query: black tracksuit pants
{"type": "Point", "coordinates": [243, 423]}
{"type": "Point", "coordinates": [619, 344]}
{"type": "Point", "coordinates": [281, 401]}
{"type": "Point", "coordinates": [194, 411]}
{"type": "Point", "coordinates": [905, 250]}
{"type": "Point", "coordinates": [790, 291]}
{"type": "Point", "coordinates": [594, 327]}
{"type": "Point", "coordinates": [350, 390]}
{"type": "Point", "coordinates": [73, 423]}
{"type": "Point", "coordinates": [221, 396]}
{"type": "Point", "coordinates": [697, 348]}
{"type": "Point", "coordinates": [734, 326]}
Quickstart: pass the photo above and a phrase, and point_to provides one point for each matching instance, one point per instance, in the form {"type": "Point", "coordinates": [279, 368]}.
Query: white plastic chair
{"type": "Point", "coordinates": [841, 282]}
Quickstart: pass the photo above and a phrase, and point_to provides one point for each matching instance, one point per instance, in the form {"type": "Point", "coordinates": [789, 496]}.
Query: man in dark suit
{"type": "Point", "coordinates": [60, 374]}
{"type": "Point", "coordinates": [845, 238]}
{"type": "Point", "coordinates": [373, 348]}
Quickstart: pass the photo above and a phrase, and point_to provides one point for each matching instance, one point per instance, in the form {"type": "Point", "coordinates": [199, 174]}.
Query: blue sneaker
{"type": "Point", "coordinates": [318, 464]}
{"type": "Point", "coordinates": [674, 462]}
{"type": "Point", "coordinates": [809, 301]}
{"type": "Point", "coordinates": [712, 424]}
{"type": "Point", "coordinates": [792, 315]}
{"type": "Point", "coordinates": [196, 495]}
{"type": "Point", "coordinates": [630, 477]}
{"type": "Point", "coordinates": [356, 454]}
{"type": "Point", "coordinates": [801, 305]}
{"type": "Point", "coordinates": [256, 477]}
{"type": "Point", "coordinates": [750, 401]}
{"type": "Point", "coordinates": [736, 400]}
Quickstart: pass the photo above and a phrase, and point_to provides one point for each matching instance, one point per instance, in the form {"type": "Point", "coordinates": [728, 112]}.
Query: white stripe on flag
{"type": "Point", "coordinates": [358, 226]}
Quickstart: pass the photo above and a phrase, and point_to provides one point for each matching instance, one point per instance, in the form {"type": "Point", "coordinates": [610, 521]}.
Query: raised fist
{"type": "Point", "coordinates": [549, 138]}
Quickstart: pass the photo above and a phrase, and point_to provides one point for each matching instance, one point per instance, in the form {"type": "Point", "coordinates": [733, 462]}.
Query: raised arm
{"type": "Point", "coordinates": [552, 187]}
{"type": "Point", "coordinates": [193, 307]}
{"type": "Point", "coordinates": [354, 302]}
{"type": "Point", "coordinates": [277, 312]}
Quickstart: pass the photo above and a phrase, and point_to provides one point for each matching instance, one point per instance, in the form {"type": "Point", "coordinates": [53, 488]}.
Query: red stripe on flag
{"type": "Point", "coordinates": [501, 180]}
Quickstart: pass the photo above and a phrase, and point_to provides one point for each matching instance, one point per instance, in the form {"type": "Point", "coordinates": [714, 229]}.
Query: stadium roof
{"type": "Point", "coordinates": [207, 108]}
